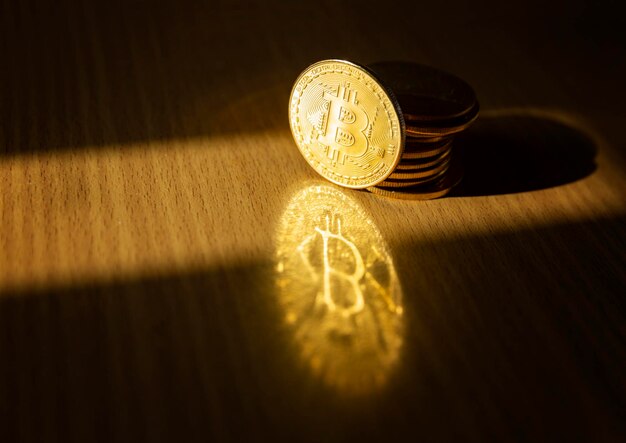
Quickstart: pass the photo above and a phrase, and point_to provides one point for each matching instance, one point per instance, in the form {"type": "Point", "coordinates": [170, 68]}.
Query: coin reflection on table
{"type": "Point", "coordinates": [339, 289]}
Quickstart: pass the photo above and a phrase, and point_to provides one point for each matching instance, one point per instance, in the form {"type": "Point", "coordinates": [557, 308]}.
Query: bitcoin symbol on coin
{"type": "Point", "coordinates": [346, 123]}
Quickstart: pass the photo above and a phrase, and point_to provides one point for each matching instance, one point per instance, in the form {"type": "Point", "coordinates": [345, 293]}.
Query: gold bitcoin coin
{"type": "Point", "coordinates": [425, 139]}
{"type": "Point", "coordinates": [436, 190]}
{"type": "Point", "coordinates": [428, 110]}
{"type": "Point", "coordinates": [425, 163]}
{"type": "Point", "coordinates": [405, 183]}
{"type": "Point", "coordinates": [421, 144]}
{"type": "Point", "coordinates": [347, 125]}
{"type": "Point", "coordinates": [419, 155]}
{"type": "Point", "coordinates": [415, 131]}
{"type": "Point", "coordinates": [410, 194]}
{"type": "Point", "coordinates": [422, 173]}
{"type": "Point", "coordinates": [428, 96]}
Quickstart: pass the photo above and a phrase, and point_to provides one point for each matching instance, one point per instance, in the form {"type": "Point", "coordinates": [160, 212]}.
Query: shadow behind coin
{"type": "Point", "coordinates": [511, 154]}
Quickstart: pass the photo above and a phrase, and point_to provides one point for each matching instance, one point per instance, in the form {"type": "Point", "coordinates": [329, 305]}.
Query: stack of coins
{"type": "Point", "coordinates": [387, 128]}
{"type": "Point", "coordinates": [423, 171]}
{"type": "Point", "coordinates": [435, 106]}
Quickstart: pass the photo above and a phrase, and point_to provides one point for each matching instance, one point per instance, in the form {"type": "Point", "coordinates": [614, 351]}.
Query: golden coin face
{"type": "Point", "coordinates": [348, 127]}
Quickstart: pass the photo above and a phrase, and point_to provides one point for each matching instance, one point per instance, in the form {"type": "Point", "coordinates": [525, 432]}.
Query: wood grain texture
{"type": "Point", "coordinates": [145, 164]}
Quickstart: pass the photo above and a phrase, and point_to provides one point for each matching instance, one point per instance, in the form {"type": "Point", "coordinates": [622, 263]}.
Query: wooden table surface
{"type": "Point", "coordinates": [149, 182]}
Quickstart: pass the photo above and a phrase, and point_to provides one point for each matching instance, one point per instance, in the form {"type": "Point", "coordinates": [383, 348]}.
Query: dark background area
{"type": "Point", "coordinates": [88, 73]}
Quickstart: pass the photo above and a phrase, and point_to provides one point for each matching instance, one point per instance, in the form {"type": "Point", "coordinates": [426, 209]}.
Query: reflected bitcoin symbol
{"type": "Point", "coordinates": [330, 271]}
{"type": "Point", "coordinates": [338, 286]}
{"type": "Point", "coordinates": [346, 123]}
